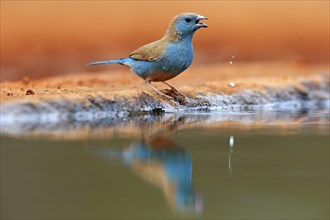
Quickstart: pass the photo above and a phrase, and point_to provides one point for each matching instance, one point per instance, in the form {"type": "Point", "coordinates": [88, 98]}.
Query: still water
{"type": "Point", "coordinates": [255, 169]}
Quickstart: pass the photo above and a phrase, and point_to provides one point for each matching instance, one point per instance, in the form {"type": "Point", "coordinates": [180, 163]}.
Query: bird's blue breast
{"type": "Point", "coordinates": [176, 58]}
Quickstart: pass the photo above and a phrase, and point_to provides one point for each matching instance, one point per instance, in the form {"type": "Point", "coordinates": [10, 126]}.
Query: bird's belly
{"type": "Point", "coordinates": [160, 76]}
{"type": "Point", "coordinates": [157, 71]}
{"type": "Point", "coordinates": [166, 70]}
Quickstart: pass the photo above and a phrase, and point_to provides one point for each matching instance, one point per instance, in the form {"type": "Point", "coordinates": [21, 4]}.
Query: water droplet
{"type": "Point", "coordinates": [231, 151]}
{"type": "Point", "coordinates": [232, 60]}
{"type": "Point", "coordinates": [231, 141]}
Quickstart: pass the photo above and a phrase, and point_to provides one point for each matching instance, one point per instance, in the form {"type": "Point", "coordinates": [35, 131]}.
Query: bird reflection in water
{"type": "Point", "coordinates": [161, 161]}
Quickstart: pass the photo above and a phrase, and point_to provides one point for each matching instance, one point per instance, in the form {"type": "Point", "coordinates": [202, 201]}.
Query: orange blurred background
{"type": "Point", "coordinates": [42, 38]}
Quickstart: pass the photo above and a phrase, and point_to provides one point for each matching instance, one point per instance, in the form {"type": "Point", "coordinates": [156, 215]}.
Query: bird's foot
{"type": "Point", "coordinates": [176, 95]}
{"type": "Point", "coordinates": [166, 96]}
{"type": "Point", "coordinates": [170, 94]}
{"type": "Point", "coordinates": [159, 92]}
{"type": "Point", "coordinates": [173, 88]}
{"type": "Point", "coordinates": [177, 92]}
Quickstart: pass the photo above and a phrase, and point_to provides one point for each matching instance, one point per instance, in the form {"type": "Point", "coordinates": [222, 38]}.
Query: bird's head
{"type": "Point", "coordinates": [185, 24]}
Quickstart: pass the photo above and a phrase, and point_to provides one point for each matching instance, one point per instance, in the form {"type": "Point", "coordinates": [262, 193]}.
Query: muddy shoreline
{"type": "Point", "coordinates": [95, 113]}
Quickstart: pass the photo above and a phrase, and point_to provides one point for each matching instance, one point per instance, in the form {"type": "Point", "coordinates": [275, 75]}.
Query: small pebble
{"type": "Point", "coordinates": [29, 92]}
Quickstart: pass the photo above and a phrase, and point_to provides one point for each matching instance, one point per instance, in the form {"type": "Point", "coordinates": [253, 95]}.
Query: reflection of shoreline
{"type": "Point", "coordinates": [162, 162]}
{"type": "Point", "coordinates": [133, 126]}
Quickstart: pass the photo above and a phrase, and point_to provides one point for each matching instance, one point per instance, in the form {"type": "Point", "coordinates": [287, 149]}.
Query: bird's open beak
{"type": "Point", "coordinates": [200, 25]}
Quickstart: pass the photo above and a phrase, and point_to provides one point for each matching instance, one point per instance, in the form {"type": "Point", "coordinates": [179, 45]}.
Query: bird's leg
{"type": "Point", "coordinates": [172, 87]}
{"type": "Point", "coordinates": [156, 90]}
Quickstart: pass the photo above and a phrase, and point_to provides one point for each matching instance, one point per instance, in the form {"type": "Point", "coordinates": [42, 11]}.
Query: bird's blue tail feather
{"type": "Point", "coordinates": [122, 61]}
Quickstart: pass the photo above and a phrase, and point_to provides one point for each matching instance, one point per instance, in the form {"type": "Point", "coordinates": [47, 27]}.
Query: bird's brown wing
{"type": "Point", "coordinates": [150, 52]}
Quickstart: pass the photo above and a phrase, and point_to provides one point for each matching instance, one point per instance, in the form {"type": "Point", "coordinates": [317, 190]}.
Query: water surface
{"type": "Point", "coordinates": [275, 166]}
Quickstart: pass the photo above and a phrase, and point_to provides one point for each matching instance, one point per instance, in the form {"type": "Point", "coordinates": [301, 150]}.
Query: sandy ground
{"type": "Point", "coordinates": [120, 82]}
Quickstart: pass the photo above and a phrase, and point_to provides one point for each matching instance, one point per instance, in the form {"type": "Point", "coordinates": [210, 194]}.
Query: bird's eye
{"type": "Point", "coordinates": [188, 20]}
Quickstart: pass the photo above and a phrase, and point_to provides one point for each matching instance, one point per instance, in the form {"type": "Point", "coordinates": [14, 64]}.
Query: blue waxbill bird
{"type": "Point", "coordinates": [167, 57]}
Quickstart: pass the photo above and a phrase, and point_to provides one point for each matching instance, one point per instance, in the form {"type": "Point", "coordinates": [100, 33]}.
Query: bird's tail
{"type": "Point", "coordinates": [122, 61]}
